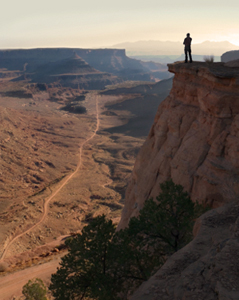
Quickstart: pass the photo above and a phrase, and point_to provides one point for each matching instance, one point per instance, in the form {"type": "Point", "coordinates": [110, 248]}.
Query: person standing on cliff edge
{"type": "Point", "coordinates": [187, 49]}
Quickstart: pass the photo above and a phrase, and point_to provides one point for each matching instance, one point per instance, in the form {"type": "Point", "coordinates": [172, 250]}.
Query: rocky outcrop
{"type": "Point", "coordinates": [207, 268]}
{"type": "Point", "coordinates": [232, 63]}
{"type": "Point", "coordinates": [194, 139]}
{"type": "Point", "coordinates": [230, 55]}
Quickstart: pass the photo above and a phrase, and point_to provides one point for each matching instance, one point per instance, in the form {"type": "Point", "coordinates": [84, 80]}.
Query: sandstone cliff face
{"type": "Point", "coordinates": [194, 139]}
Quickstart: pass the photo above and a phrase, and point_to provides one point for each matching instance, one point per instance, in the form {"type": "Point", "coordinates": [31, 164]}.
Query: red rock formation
{"type": "Point", "coordinates": [194, 139]}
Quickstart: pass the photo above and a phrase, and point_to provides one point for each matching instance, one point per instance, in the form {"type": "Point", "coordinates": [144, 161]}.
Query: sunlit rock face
{"type": "Point", "coordinates": [194, 139]}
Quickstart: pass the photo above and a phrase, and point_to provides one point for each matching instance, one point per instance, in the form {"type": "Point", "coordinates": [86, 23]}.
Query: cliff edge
{"type": "Point", "coordinates": [194, 139]}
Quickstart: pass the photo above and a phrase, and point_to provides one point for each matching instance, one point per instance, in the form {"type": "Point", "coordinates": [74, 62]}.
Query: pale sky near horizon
{"type": "Point", "coordinates": [94, 23]}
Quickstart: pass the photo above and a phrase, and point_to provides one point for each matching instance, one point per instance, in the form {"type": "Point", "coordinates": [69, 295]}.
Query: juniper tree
{"type": "Point", "coordinates": [107, 265]}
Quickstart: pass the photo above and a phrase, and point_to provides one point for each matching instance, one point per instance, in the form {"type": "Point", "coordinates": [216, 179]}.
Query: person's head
{"type": "Point", "coordinates": [188, 34]}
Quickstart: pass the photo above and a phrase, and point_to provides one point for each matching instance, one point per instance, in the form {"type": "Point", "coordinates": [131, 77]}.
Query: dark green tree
{"type": "Point", "coordinates": [85, 271]}
{"type": "Point", "coordinates": [35, 290]}
{"type": "Point", "coordinates": [166, 223]}
{"type": "Point", "coordinates": [132, 263]}
{"type": "Point", "coordinates": [107, 265]}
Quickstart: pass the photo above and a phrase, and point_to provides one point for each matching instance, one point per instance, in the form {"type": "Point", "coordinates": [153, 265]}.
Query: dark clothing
{"type": "Point", "coordinates": [187, 41]}
{"type": "Point", "coordinates": [187, 48]}
{"type": "Point", "coordinates": [187, 51]}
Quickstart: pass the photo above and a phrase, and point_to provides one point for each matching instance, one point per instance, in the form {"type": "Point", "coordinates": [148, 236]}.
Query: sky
{"type": "Point", "coordinates": [104, 23]}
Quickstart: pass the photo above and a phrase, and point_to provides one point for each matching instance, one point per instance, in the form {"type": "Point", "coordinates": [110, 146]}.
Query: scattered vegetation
{"type": "Point", "coordinates": [79, 98]}
{"type": "Point", "coordinates": [73, 108]}
{"type": "Point", "coordinates": [104, 264]}
{"type": "Point", "coordinates": [209, 59]}
{"type": "Point", "coordinates": [35, 290]}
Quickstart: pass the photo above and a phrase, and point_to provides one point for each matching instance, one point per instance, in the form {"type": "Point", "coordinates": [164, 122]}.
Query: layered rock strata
{"type": "Point", "coordinates": [194, 139]}
{"type": "Point", "coordinates": [112, 61]}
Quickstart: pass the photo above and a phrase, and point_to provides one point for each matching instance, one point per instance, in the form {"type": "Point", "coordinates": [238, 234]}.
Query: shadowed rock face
{"type": "Point", "coordinates": [230, 55]}
{"type": "Point", "coordinates": [207, 268]}
{"type": "Point", "coordinates": [194, 139]}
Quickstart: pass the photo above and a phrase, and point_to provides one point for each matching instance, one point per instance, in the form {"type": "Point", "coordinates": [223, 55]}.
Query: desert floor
{"type": "Point", "coordinates": [58, 170]}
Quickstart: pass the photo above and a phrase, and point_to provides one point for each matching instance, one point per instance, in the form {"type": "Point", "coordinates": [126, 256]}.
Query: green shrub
{"type": "Point", "coordinates": [35, 290]}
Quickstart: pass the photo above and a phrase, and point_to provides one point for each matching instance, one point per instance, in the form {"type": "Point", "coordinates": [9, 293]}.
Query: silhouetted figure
{"type": "Point", "coordinates": [187, 49]}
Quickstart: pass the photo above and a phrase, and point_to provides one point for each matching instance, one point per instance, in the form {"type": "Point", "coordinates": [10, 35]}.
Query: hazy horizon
{"type": "Point", "coordinates": [118, 44]}
{"type": "Point", "coordinates": [158, 49]}
{"type": "Point", "coordinates": [93, 24]}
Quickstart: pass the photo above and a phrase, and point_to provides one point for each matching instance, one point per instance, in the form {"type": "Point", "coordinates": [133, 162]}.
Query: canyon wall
{"type": "Point", "coordinates": [35, 65]}
{"type": "Point", "coordinates": [112, 61]}
{"type": "Point", "coordinates": [31, 58]}
{"type": "Point", "coordinates": [194, 139]}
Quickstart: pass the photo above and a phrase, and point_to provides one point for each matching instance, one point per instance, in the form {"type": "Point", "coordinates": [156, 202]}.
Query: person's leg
{"type": "Point", "coordinates": [186, 55]}
{"type": "Point", "coordinates": [190, 56]}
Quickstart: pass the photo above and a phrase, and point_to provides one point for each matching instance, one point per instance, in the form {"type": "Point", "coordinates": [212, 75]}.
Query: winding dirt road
{"type": "Point", "coordinates": [11, 285]}
{"type": "Point", "coordinates": [65, 181]}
